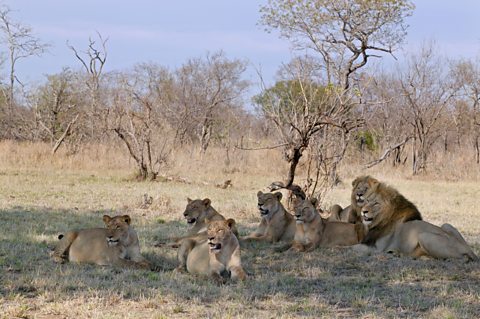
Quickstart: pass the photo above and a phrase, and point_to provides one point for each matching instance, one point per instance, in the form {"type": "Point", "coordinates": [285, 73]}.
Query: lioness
{"type": "Point", "coordinates": [218, 254]}
{"type": "Point", "coordinates": [351, 213]}
{"type": "Point", "coordinates": [196, 212]}
{"type": "Point", "coordinates": [276, 224]}
{"type": "Point", "coordinates": [394, 224]}
{"type": "Point", "coordinates": [312, 231]}
{"type": "Point", "coordinates": [115, 245]}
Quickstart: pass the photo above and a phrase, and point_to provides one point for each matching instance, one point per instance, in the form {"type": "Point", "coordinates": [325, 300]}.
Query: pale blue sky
{"type": "Point", "coordinates": [170, 32]}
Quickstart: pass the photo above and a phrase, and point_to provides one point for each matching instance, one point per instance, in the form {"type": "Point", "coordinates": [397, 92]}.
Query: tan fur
{"type": "Point", "coordinates": [394, 224]}
{"type": "Point", "coordinates": [276, 224]}
{"type": "Point", "coordinates": [351, 213]}
{"type": "Point", "coordinates": [115, 245]}
{"type": "Point", "coordinates": [196, 212]}
{"type": "Point", "coordinates": [312, 231]}
{"type": "Point", "coordinates": [218, 254]}
{"type": "Point", "coordinates": [347, 214]}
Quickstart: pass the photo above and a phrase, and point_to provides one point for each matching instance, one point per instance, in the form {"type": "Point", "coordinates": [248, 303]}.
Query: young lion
{"type": "Point", "coordinates": [394, 225]}
{"type": "Point", "coordinates": [115, 245]}
{"type": "Point", "coordinates": [217, 255]}
{"type": "Point", "coordinates": [196, 212]}
{"type": "Point", "coordinates": [313, 231]}
{"type": "Point", "coordinates": [276, 224]}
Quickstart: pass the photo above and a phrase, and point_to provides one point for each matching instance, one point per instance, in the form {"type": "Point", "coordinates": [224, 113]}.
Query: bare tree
{"type": "Point", "coordinates": [206, 88]}
{"type": "Point", "coordinates": [136, 118]}
{"type": "Point", "coordinates": [21, 43]}
{"type": "Point", "coordinates": [55, 105]}
{"type": "Point", "coordinates": [466, 75]}
{"type": "Point", "coordinates": [345, 34]}
{"type": "Point", "coordinates": [93, 61]}
{"type": "Point", "coordinates": [426, 95]}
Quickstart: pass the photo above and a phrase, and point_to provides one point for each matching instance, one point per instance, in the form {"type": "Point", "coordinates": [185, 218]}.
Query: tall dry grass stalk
{"type": "Point", "coordinates": [215, 164]}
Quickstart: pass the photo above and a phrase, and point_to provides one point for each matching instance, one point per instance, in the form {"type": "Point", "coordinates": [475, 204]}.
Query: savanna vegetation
{"type": "Point", "coordinates": [86, 142]}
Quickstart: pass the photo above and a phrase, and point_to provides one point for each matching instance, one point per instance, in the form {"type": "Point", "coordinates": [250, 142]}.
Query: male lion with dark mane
{"type": "Point", "coordinates": [277, 224]}
{"type": "Point", "coordinates": [115, 245]}
{"type": "Point", "coordinates": [394, 224]}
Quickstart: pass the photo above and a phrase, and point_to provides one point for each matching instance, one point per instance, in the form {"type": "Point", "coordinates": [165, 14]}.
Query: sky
{"type": "Point", "coordinates": [169, 32]}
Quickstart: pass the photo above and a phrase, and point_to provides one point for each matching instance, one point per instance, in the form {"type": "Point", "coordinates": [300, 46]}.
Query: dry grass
{"type": "Point", "coordinates": [41, 196]}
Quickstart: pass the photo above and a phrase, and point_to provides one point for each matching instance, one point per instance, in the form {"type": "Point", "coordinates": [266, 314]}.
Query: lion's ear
{"type": "Point", "coordinates": [278, 195]}
{"type": "Point", "coordinates": [230, 223]}
{"type": "Point", "coordinates": [372, 182]}
{"type": "Point", "coordinates": [207, 202]}
{"type": "Point", "coordinates": [189, 200]}
{"type": "Point", "coordinates": [106, 219]}
{"type": "Point", "coordinates": [259, 193]}
{"type": "Point", "coordinates": [314, 201]}
{"type": "Point", "coordinates": [127, 219]}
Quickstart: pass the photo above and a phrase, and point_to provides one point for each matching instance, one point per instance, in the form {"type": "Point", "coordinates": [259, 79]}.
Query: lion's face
{"type": "Point", "coordinates": [372, 208]}
{"type": "Point", "coordinates": [219, 233]}
{"type": "Point", "coordinates": [268, 203]}
{"type": "Point", "coordinates": [117, 229]}
{"type": "Point", "coordinates": [360, 187]}
{"type": "Point", "coordinates": [196, 210]}
{"type": "Point", "coordinates": [305, 210]}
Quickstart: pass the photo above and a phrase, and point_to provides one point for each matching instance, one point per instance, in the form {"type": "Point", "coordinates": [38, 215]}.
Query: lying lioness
{"type": "Point", "coordinates": [196, 212]}
{"type": "Point", "coordinates": [215, 256]}
{"type": "Point", "coordinates": [312, 231]}
{"type": "Point", "coordinates": [276, 224]}
{"type": "Point", "coordinates": [115, 245]}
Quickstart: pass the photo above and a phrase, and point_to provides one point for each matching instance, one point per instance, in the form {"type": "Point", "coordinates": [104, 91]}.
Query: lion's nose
{"type": "Point", "coordinates": [185, 214]}
{"type": "Point", "coordinates": [211, 238]}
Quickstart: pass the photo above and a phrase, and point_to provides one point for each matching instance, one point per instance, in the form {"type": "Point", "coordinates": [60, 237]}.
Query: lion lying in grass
{"type": "Point", "coordinates": [196, 212]}
{"type": "Point", "coordinates": [216, 256]}
{"type": "Point", "coordinates": [395, 225]}
{"type": "Point", "coordinates": [276, 224]}
{"type": "Point", "coordinates": [351, 213]}
{"type": "Point", "coordinates": [115, 245]}
{"type": "Point", "coordinates": [312, 231]}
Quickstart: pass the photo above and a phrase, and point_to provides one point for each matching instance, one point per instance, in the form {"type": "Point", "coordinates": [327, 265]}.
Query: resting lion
{"type": "Point", "coordinates": [196, 212]}
{"type": "Point", "coordinates": [351, 213]}
{"type": "Point", "coordinates": [276, 224]}
{"type": "Point", "coordinates": [395, 225]}
{"type": "Point", "coordinates": [115, 245]}
{"type": "Point", "coordinates": [312, 231]}
{"type": "Point", "coordinates": [215, 256]}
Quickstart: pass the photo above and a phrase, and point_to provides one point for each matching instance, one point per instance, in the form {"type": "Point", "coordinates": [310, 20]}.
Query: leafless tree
{"type": "Point", "coordinates": [466, 75]}
{"type": "Point", "coordinates": [345, 34]}
{"type": "Point", "coordinates": [136, 118]}
{"type": "Point", "coordinates": [93, 61]}
{"type": "Point", "coordinates": [206, 88]}
{"type": "Point", "coordinates": [21, 44]}
{"type": "Point", "coordinates": [55, 105]}
{"type": "Point", "coordinates": [426, 95]}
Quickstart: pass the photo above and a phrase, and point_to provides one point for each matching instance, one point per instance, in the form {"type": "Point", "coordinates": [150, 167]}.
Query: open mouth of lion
{"type": "Point", "coordinates": [191, 220]}
{"type": "Point", "coordinates": [360, 200]}
{"type": "Point", "coordinates": [112, 242]}
{"type": "Point", "coordinates": [215, 247]}
{"type": "Point", "coordinates": [263, 212]}
{"type": "Point", "coordinates": [367, 220]}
